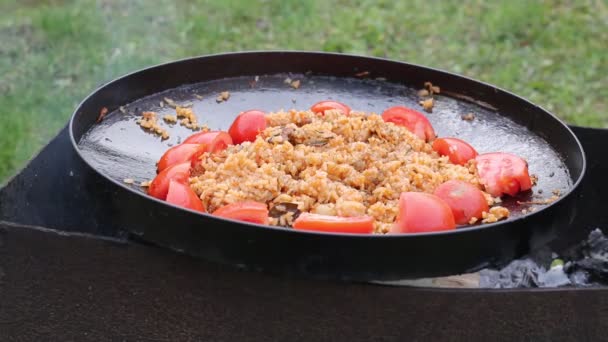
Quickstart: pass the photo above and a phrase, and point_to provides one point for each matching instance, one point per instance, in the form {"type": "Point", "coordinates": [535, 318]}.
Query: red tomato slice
{"type": "Point", "coordinates": [503, 173]}
{"type": "Point", "coordinates": [248, 211]}
{"type": "Point", "coordinates": [179, 154]}
{"type": "Point", "coordinates": [321, 107]}
{"type": "Point", "coordinates": [420, 212]}
{"type": "Point", "coordinates": [214, 141]}
{"type": "Point", "coordinates": [336, 224]}
{"type": "Point", "coordinates": [210, 139]}
{"type": "Point", "coordinates": [465, 200]}
{"type": "Point", "coordinates": [160, 185]}
{"type": "Point", "coordinates": [182, 195]}
{"type": "Point", "coordinates": [247, 126]}
{"type": "Point", "coordinates": [196, 159]}
{"type": "Point", "coordinates": [413, 120]}
{"type": "Point", "coordinates": [459, 151]}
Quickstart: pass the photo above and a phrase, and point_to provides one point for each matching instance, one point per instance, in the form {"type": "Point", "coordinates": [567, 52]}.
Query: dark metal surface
{"type": "Point", "coordinates": [591, 203]}
{"type": "Point", "coordinates": [57, 190]}
{"type": "Point", "coordinates": [71, 288]}
{"type": "Point", "coordinates": [119, 149]}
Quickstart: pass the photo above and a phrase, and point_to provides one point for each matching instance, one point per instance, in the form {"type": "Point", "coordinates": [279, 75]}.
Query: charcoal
{"type": "Point", "coordinates": [588, 266]}
{"type": "Point", "coordinates": [521, 273]}
{"type": "Point", "coordinates": [580, 278]}
{"type": "Point", "coordinates": [595, 258]}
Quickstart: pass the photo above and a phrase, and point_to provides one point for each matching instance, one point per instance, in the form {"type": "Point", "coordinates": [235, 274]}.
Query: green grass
{"type": "Point", "coordinates": [54, 52]}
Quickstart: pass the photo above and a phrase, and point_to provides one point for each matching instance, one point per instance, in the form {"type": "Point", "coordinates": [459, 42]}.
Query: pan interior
{"type": "Point", "coordinates": [120, 149]}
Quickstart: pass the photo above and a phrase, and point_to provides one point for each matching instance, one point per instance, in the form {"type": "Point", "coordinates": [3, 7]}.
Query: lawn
{"type": "Point", "coordinates": [54, 52]}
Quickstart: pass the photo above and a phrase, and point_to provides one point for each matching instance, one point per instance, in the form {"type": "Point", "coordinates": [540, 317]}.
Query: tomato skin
{"type": "Point", "coordinates": [465, 200]}
{"type": "Point", "coordinates": [411, 119]}
{"type": "Point", "coordinates": [160, 185]}
{"type": "Point", "coordinates": [179, 154]}
{"type": "Point", "coordinates": [182, 195]}
{"type": "Point", "coordinates": [335, 224]}
{"type": "Point", "coordinates": [459, 151]}
{"type": "Point", "coordinates": [322, 106]}
{"type": "Point", "coordinates": [247, 126]}
{"type": "Point", "coordinates": [215, 140]}
{"type": "Point", "coordinates": [248, 211]}
{"type": "Point", "coordinates": [503, 173]}
{"type": "Point", "coordinates": [420, 212]}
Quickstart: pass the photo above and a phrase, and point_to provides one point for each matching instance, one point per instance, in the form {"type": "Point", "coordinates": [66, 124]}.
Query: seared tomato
{"type": "Point", "coordinates": [465, 200]}
{"type": "Point", "coordinates": [321, 107]}
{"type": "Point", "coordinates": [179, 154]}
{"type": "Point", "coordinates": [214, 140]}
{"type": "Point", "coordinates": [420, 212]}
{"type": "Point", "coordinates": [182, 195]}
{"type": "Point", "coordinates": [503, 173]}
{"type": "Point", "coordinates": [160, 185]}
{"type": "Point", "coordinates": [459, 151]}
{"type": "Point", "coordinates": [413, 120]}
{"type": "Point", "coordinates": [248, 211]}
{"type": "Point", "coordinates": [335, 224]}
{"type": "Point", "coordinates": [247, 126]}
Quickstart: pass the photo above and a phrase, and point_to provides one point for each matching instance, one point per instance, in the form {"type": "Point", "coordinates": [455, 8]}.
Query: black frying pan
{"type": "Point", "coordinates": [117, 149]}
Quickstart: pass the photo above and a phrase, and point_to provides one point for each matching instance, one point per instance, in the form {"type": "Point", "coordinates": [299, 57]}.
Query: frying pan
{"type": "Point", "coordinates": [116, 148]}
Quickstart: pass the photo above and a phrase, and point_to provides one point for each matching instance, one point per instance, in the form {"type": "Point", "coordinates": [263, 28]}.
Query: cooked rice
{"type": "Point", "coordinates": [223, 96]}
{"type": "Point", "coordinates": [468, 117]}
{"type": "Point", "coordinates": [427, 105]}
{"type": "Point", "coordinates": [149, 122]}
{"type": "Point", "coordinates": [187, 116]}
{"type": "Point", "coordinates": [432, 88]}
{"type": "Point", "coordinates": [426, 94]}
{"type": "Point", "coordinates": [332, 164]}
{"type": "Point", "coordinates": [170, 119]}
{"type": "Point", "coordinates": [495, 214]}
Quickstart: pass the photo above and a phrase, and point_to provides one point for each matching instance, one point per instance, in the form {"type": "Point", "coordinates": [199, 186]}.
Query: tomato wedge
{"type": "Point", "coordinates": [420, 212]}
{"type": "Point", "coordinates": [465, 200]}
{"type": "Point", "coordinates": [413, 120]}
{"type": "Point", "coordinates": [336, 224]}
{"type": "Point", "coordinates": [182, 195]}
{"type": "Point", "coordinates": [179, 154]}
{"type": "Point", "coordinates": [247, 126]}
{"type": "Point", "coordinates": [160, 185]}
{"type": "Point", "coordinates": [459, 151]}
{"type": "Point", "coordinates": [248, 211]}
{"type": "Point", "coordinates": [321, 107]}
{"type": "Point", "coordinates": [215, 140]}
{"type": "Point", "coordinates": [503, 173]}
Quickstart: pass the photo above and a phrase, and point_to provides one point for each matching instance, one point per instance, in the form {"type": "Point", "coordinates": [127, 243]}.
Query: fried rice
{"type": "Point", "coordinates": [329, 164]}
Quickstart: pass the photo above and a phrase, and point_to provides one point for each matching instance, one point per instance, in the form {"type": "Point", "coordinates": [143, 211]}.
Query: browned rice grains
{"type": "Point", "coordinates": [333, 164]}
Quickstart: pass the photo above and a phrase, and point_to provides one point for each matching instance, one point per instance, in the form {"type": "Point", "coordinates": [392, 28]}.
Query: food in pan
{"type": "Point", "coordinates": [149, 122]}
{"type": "Point", "coordinates": [332, 169]}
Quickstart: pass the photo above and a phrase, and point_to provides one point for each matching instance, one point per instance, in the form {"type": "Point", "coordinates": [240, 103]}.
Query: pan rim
{"type": "Point", "coordinates": [455, 232]}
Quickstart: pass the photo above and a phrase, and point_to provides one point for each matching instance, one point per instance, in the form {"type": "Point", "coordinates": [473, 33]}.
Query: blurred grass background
{"type": "Point", "coordinates": [55, 52]}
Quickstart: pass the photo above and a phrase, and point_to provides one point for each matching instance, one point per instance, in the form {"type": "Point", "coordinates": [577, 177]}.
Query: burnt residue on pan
{"type": "Point", "coordinates": [119, 148]}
